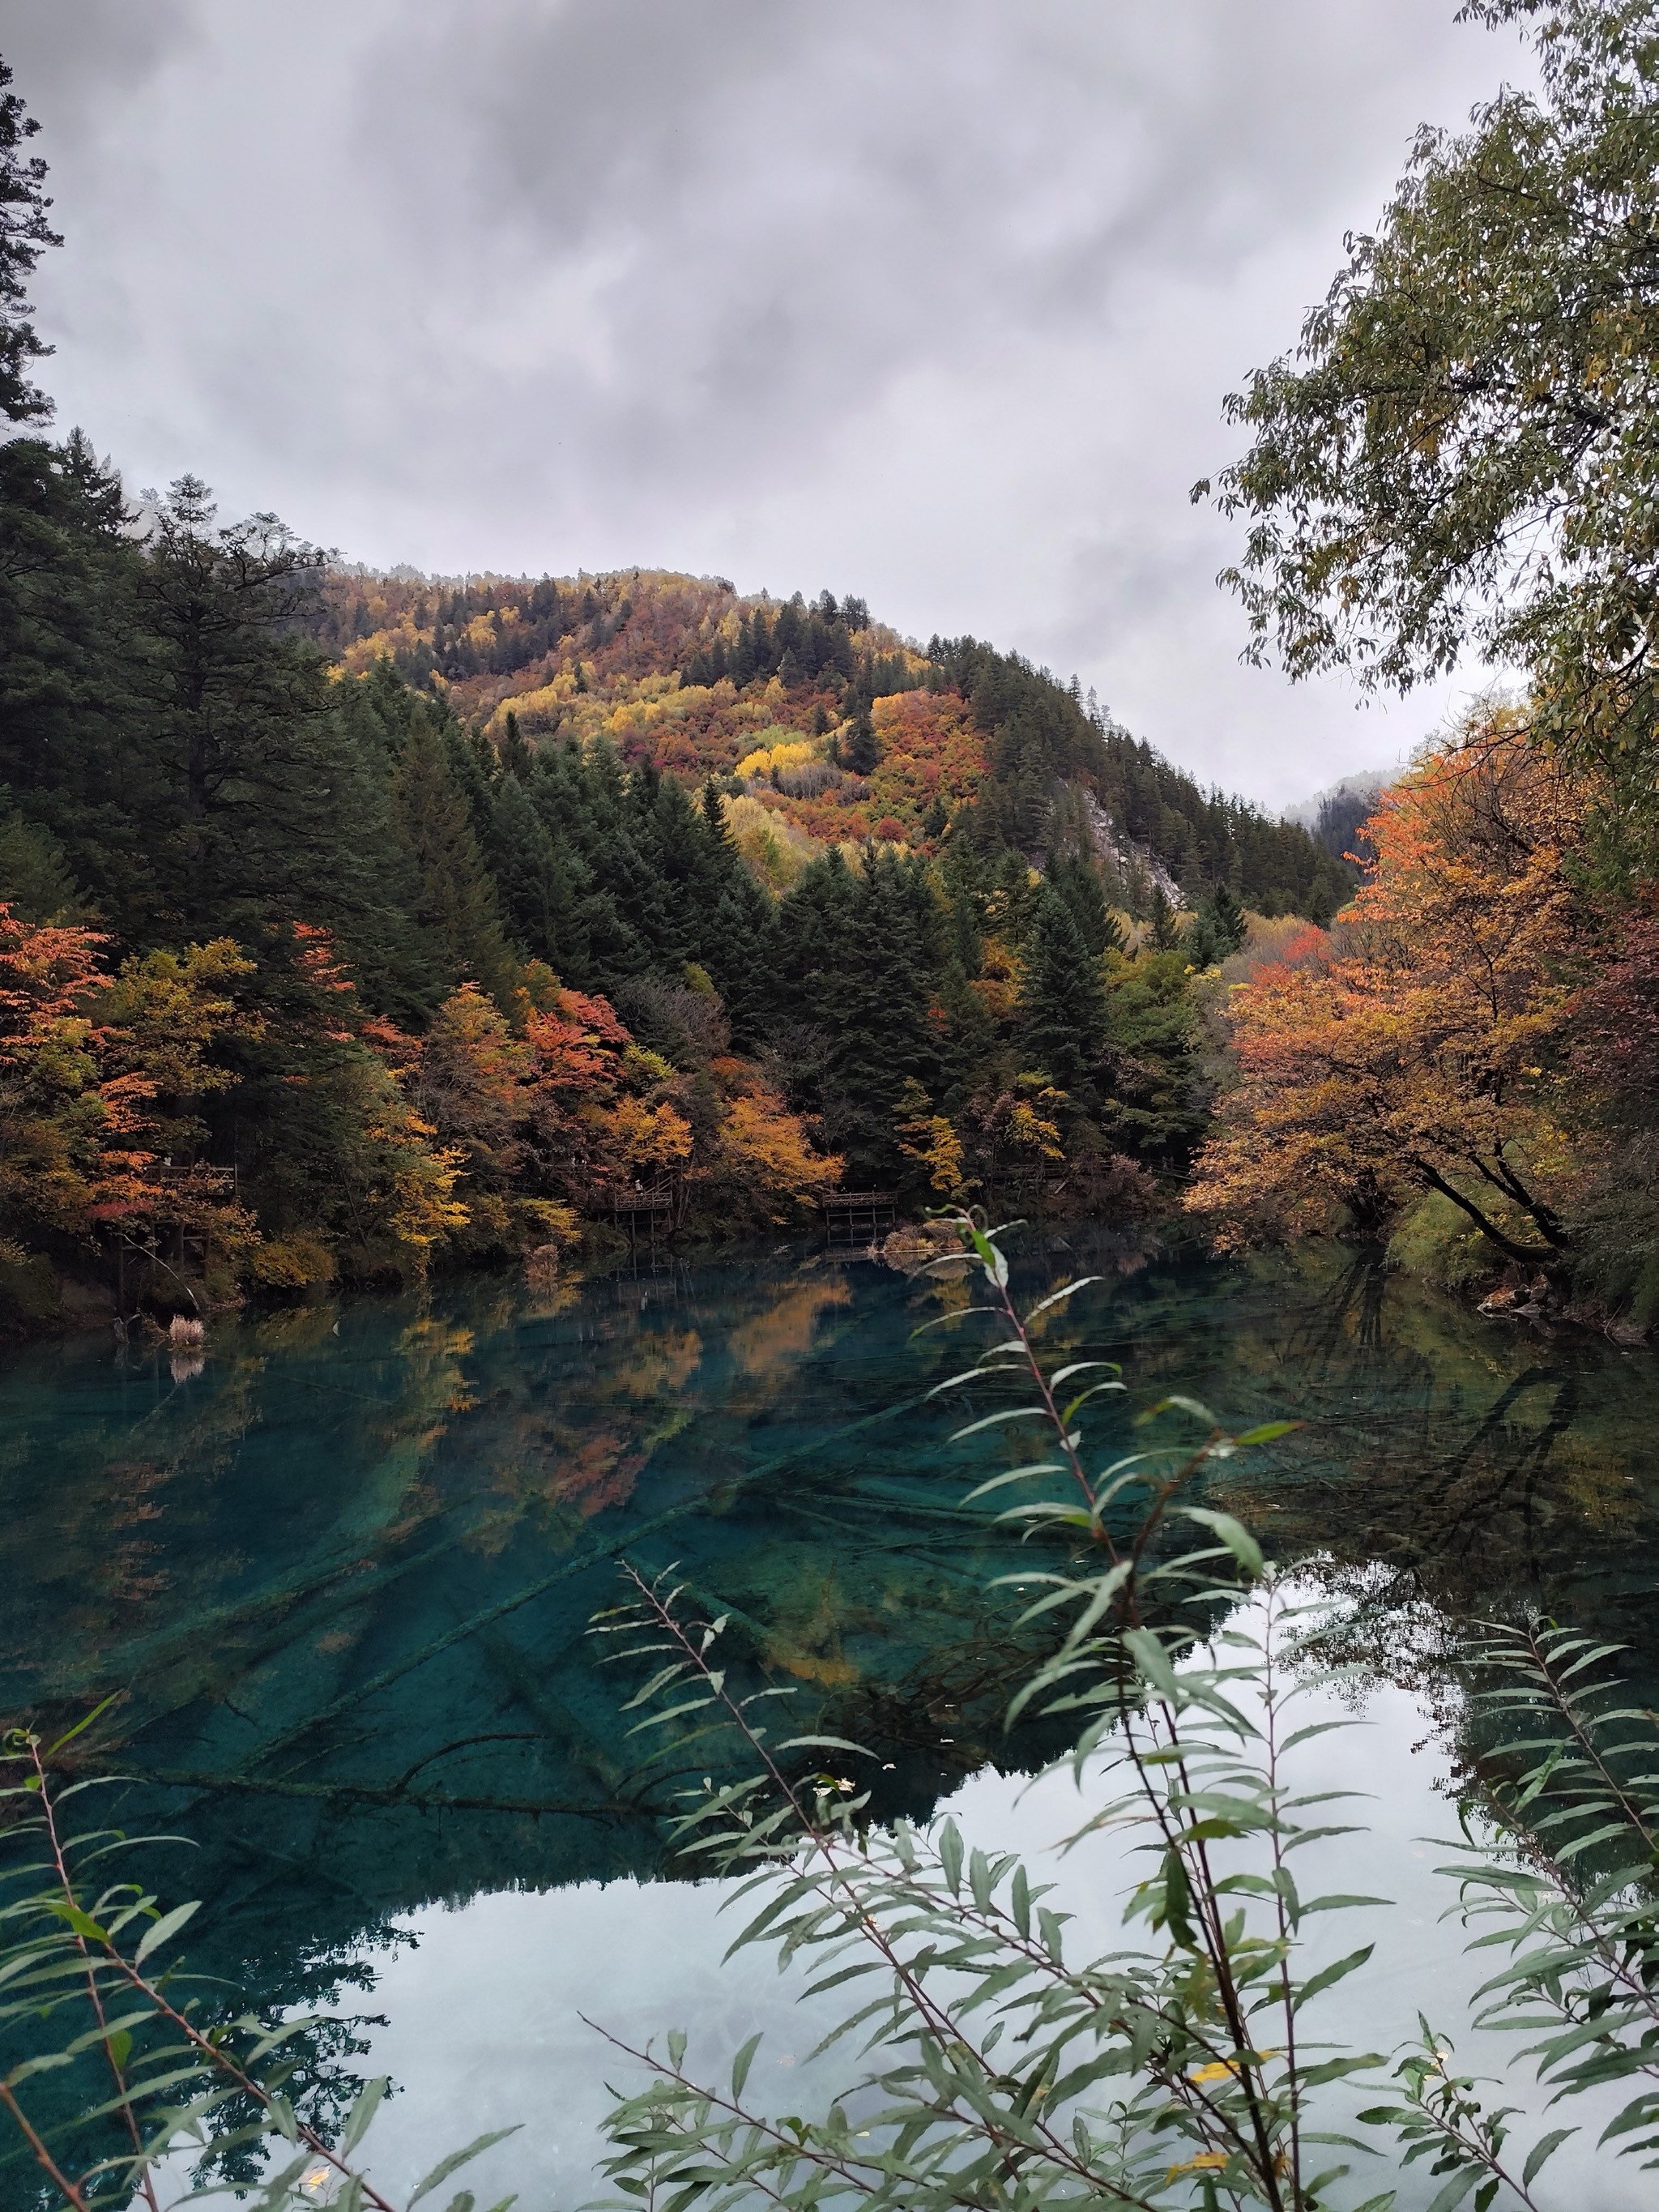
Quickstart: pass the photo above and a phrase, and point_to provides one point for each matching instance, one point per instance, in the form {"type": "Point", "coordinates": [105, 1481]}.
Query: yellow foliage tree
{"type": "Point", "coordinates": [1413, 1055]}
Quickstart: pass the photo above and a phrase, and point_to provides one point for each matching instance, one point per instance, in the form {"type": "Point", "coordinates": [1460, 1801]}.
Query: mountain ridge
{"type": "Point", "coordinates": [820, 725]}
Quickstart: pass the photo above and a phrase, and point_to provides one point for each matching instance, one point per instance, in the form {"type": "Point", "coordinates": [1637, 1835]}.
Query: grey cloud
{"type": "Point", "coordinates": [767, 214]}
{"type": "Point", "coordinates": [932, 299]}
{"type": "Point", "coordinates": [70, 58]}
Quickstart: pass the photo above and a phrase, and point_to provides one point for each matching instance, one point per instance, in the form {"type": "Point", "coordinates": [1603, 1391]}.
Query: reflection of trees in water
{"type": "Point", "coordinates": [1455, 1461]}
{"type": "Point", "coordinates": [351, 1589]}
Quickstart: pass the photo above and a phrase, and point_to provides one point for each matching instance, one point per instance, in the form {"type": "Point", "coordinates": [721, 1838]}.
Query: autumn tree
{"type": "Point", "coordinates": [101, 1079]}
{"type": "Point", "coordinates": [1416, 1058]}
{"type": "Point", "coordinates": [1463, 452]}
{"type": "Point", "coordinates": [346, 1175]}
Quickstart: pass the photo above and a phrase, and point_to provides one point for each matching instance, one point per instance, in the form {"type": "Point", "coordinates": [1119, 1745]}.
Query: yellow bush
{"type": "Point", "coordinates": [291, 1263]}
{"type": "Point", "coordinates": [778, 748]}
{"type": "Point", "coordinates": [775, 848]}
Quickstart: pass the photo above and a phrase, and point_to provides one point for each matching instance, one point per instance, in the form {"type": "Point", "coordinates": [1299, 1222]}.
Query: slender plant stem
{"type": "Point", "coordinates": [58, 2178]}
{"type": "Point", "coordinates": [146, 2182]}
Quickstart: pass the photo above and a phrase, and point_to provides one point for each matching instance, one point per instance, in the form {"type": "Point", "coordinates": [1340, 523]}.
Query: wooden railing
{"type": "Point", "coordinates": [856, 1211]}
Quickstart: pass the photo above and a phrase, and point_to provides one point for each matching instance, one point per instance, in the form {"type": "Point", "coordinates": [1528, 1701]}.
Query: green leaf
{"type": "Point", "coordinates": [1268, 1432]}
{"type": "Point", "coordinates": [164, 1930]}
{"type": "Point", "coordinates": [1081, 1367]}
{"type": "Point", "coordinates": [1457, 2189]}
{"type": "Point", "coordinates": [1152, 1661]}
{"type": "Point", "coordinates": [1233, 1534]}
{"type": "Point", "coordinates": [1178, 1404]}
{"type": "Point", "coordinates": [1328, 1975]}
{"type": "Point", "coordinates": [995, 1420]}
{"type": "Point", "coordinates": [1015, 1475]}
{"type": "Point", "coordinates": [1066, 1290]}
{"type": "Point", "coordinates": [362, 2111]}
{"type": "Point", "coordinates": [950, 1854]}
{"type": "Point", "coordinates": [53, 1750]}
{"type": "Point", "coordinates": [1333, 2070]}
{"type": "Point", "coordinates": [740, 2065]}
{"type": "Point", "coordinates": [1177, 1899]}
{"type": "Point", "coordinates": [82, 1922]}
{"type": "Point", "coordinates": [445, 2167]}
{"type": "Point", "coordinates": [1546, 2147]}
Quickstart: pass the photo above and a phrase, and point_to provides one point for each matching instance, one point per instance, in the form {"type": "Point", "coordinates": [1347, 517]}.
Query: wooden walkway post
{"type": "Point", "coordinates": [652, 1207]}
{"type": "Point", "coordinates": [856, 1213]}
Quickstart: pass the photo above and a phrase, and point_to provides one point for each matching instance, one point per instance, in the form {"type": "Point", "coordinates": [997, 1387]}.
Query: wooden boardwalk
{"type": "Point", "coordinates": [854, 1213]}
{"type": "Point", "coordinates": [650, 1211]}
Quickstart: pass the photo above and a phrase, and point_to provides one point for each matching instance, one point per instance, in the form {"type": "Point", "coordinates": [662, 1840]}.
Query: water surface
{"type": "Point", "coordinates": [341, 1571]}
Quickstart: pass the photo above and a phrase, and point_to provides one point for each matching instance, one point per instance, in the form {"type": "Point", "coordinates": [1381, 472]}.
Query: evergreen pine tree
{"type": "Point", "coordinates": [474, 764]}
{"type": "Point", "coordinates": [1063, 1003]}
{"type": "Point", "coordinates": [1077, 882]}
{"type": "Point", "coordinates": [859, 960]}
{"type": "Point", "coordinates": [860, 750]}
{"type": "Point", "coordinates": [515, 754]}
{"type": "Point", "coordinates": [455, 902]}
{"type": "Point", "coordinates": [24, 234]}
{"type": "Point", "coordinates": [1164, 929]}
{"type": "Point", "coordinates": [575, 800]}
{"type": "Point", "coordinates": [1227, 921]}
{"type": "Point", "coordinates": [35, 882]}
{"type": "Point", "coordinates": [73, 710]}
{"type": "Point", "coordinates": [1217, 930]}
{"type": "Point", "coordinates": [236, 795]}
{"type": "Point", "coordinates": [539, 881]}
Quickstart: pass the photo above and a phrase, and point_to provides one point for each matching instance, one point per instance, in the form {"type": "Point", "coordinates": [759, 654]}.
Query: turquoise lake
{"type": "Point", "coordinates": [340, 1570]}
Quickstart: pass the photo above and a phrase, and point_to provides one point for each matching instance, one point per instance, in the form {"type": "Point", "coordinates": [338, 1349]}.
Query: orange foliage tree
{"type": "Point", "coordinates": [574, 1110]}
{"type": "Point", "coordinates": [98, 1078]}
{"type": "Point", "coordinates": [1415, 1055]}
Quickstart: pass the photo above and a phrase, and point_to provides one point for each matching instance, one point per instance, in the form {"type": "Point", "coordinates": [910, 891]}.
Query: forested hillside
{"type": "Point", "coordinates": [316, 964]}
{"type": "Point", "coordinates": [349, 923]}
{"type": "Point", "coordinates": [828, 721]}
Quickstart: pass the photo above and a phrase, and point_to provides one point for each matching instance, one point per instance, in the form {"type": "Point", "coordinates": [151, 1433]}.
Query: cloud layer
{"type": "Point", "coordinates": [933, 299]}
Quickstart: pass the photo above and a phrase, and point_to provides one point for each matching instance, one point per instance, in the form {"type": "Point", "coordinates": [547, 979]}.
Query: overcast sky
{"type": "Point", "coordinates": [935, 300]}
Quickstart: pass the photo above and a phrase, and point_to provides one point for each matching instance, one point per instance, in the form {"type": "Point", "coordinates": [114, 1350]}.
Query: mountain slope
{"type": "Point", "coordinates": [822, 726]}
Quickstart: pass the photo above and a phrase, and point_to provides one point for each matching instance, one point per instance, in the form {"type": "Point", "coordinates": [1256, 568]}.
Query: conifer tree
{"type": "Point", "coordinates": [237, 766]}
{"type": "Point", "coordinates": [1218, 931]}
{"type": "Point", "coordinates": [859, 749]}
{"type": "Point", "coordinates": [455, 902]}
{"type": "Point", "coordinates": [540, 883]}
{"type": "Point", "coordinates": [1077, 882]}
{"type": "Point", "coordinates": [34, 879]}
{"type": "Point", "coordinates": [515, 753]}
{"type": "Point", "coordinates": [1164, 929]}
{"type": "Point", "coordinates": [858, 958]}
{"type": "Point", "coordinates": [72, 712]}
{"type": "Point", "coordinates": [24, 234]}
{"type": "Point", "coordinates": [573, 800]}
{"type": "Point", "coordinates": [1063, 1002]}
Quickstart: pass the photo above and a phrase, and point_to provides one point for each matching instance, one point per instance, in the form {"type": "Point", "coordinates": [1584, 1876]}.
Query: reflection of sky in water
{"type": "Point", "coordinates": [342, 1577]}
{"type": "Point", "coordinates": [484, 2025]}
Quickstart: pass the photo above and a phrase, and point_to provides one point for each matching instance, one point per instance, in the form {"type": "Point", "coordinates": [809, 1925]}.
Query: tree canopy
{"type": "Point", "coordinates": [1463, 453]}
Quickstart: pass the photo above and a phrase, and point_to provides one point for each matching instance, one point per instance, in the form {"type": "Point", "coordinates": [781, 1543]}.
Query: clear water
{"type": "Point", "coordinates": [342, 1572]}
